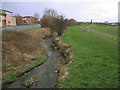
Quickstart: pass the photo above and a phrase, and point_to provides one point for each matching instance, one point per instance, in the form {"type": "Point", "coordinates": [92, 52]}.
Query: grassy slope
{"type": "Point", "coordinates": [21, 52]}
{"type": "Point", "coordinates": [95, 61]}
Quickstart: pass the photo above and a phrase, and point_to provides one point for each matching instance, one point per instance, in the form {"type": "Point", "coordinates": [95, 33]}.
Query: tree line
{"type": "Point", "coordinates": [20, 20]}
{"type": "Point", "coordinates": [57, 23]}
{"type": "Point", "coordinates": [51, 19]}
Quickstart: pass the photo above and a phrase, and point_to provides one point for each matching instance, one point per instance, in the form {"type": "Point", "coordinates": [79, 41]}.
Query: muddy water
{"type": "Point", "coordinates": [46, 75]}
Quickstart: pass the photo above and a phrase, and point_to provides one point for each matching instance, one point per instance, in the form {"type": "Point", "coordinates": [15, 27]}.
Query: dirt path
{"type": "Point", "coordinates": [46, 76]}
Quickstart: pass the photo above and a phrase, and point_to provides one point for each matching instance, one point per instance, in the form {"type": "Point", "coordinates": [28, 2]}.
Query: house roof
{"type": "Point", "coordinates": [3, 14]}
{"type": "Point", "coordinates": [27, 16]}
{"type": "Point", "coordinates": [6, 11]}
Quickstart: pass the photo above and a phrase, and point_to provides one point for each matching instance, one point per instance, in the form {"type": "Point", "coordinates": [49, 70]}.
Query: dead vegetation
{"type": "Point", "coordinates": [41, 33]}
{"type": "Point", "coordinates": [19, 49]}
{"type": "Point", "coordinates": [63, 71]}
{"type": "Point", "coordinates": [62, 64]}
{"type": "Point", "coordinates": [64, 48]}
{"type": "Point", "coordinates": [30, 81]}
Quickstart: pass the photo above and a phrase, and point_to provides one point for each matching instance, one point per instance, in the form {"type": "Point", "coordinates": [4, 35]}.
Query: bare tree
{"type": "Point", "coordinates": [19, 19]}
{"type": "Point", "coordinates": [50, 12]}
{"type": "Point", "coordinates": [36, 15]}
{"type": "Point", "coordinates": [54, 21]}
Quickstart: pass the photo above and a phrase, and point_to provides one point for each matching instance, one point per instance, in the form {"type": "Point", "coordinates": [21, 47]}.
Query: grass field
{"type": "Point", "coordinates": [95, 63]}
{"type": "Point", "coordinates": [112, 30]}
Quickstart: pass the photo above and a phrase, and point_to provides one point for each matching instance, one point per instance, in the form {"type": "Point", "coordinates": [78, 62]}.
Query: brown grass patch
{"type": "Point", "coordinates": [30, 81]}
{"type": "Point", "coordinates": [63, 71]}
{"type": "Point", "coordinates": [62, 65]}
{"type": "Point", "coordinates": [21, 48]}
{"type": "Point", "coordinates": [65, 49]}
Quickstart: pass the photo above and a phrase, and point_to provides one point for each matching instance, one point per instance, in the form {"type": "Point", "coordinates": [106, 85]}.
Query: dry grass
{"type": "Point", "coordinates": [19, 49]}
{"type": "Point", "coordinates": [63, 71]}
{"type": "Point", "coordinates": [30, 81]}
{"type": "Point", "coordinates": [65, 49]}
{"type": "Point", "coordinates": [41, 33]}
{"type": "Point", "coordinates": [62, 65]}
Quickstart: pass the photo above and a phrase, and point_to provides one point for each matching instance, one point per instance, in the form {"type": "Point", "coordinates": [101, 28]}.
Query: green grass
{"type": "Point", "coordinates": [13, 76]}
{"type": "Point", "coordinates": [95, 62]}
{"type": "Point", "coordinates": [112, 30]}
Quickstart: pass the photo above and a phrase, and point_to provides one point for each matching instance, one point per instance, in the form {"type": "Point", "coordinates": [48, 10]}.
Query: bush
{"type": "Point", "coordinates": [57, 23]}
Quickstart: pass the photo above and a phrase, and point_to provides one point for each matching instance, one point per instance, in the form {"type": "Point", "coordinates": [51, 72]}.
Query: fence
{"type": "Point", "coordinates": [104, 34]}
{"type": "Point", "coordinates": [20, 28]}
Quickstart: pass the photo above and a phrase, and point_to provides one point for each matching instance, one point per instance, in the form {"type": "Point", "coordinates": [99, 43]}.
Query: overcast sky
{"type": "Point", "coordinates": [80, 10]}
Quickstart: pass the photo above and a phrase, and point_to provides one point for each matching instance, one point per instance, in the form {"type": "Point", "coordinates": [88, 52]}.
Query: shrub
{"type": "Point", "coordinates": [64, 48]}
{"type": "Point", "coordinates": [57, 23]}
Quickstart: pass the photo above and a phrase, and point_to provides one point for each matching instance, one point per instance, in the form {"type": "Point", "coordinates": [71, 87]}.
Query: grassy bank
{"type": "Point", "coordinates": [95, 62]}
{"type": "Point", "coordinates": [21, 51]}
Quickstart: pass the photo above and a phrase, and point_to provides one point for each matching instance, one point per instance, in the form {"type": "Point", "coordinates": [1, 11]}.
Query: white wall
{"type": "Point", "coordinates": [10, 21]}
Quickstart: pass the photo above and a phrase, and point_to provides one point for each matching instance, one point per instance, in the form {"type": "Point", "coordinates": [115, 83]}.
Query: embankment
{"type": "Point", "coordinates": [62, 63]}
{"type": "Point", "coordinates": [22, 51]}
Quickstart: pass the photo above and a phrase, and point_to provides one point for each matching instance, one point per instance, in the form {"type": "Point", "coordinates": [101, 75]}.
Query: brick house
{"type": "Point", "coordinates": [29, 19]}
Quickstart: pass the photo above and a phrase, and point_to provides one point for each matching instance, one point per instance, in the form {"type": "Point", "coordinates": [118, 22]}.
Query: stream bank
{"type": "Point", "coordinates": [45, 73]}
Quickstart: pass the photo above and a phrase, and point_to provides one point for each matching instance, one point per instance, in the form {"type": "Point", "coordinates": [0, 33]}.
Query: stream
{"type": "Point", "coordinates": [46, 75]}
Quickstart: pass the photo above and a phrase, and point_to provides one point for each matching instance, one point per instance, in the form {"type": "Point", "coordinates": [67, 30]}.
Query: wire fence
{"type": "Point", "coordinates": [105, 35]}
{"type": "Point", "coordinates": [20, 28]}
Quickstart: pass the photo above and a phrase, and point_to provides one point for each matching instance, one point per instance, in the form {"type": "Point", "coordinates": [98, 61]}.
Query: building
{"type": "Point", "coordinates": [7, 18]}
{"type": "Point", "coordinates": [19, 20]}
{"type": "Point", "coordinates": [29, 19]}
{"type": "Point", "coordinates": [26, 20]}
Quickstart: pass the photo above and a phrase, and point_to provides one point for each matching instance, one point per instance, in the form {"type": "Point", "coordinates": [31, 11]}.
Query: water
{"type": "Point", "coordinates": [46, 75]}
